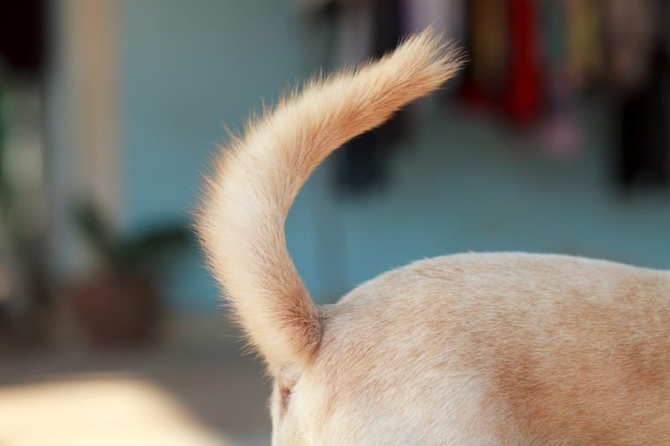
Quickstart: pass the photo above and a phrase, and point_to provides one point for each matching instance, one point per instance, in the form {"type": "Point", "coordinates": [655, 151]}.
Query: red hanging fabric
{"type": "Point", "coordinates": [524, 91]}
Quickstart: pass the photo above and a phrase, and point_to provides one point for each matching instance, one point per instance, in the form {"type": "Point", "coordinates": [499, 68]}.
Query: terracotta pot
{"type": "Point", "coordinates": [116, 311]}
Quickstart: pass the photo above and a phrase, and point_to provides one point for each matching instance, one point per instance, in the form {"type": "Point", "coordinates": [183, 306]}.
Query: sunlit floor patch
{"type": "Point", "coordinates": [100, 410]}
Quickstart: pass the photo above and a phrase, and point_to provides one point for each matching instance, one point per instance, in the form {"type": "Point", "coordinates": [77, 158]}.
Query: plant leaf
{"type": "Point", "coordinates": [97, 232]}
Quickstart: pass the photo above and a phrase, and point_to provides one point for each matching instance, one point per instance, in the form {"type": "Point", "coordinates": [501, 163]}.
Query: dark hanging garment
{"type": "Point", "coordinates": [644, 117]}
{"type": "Point", "coordinates": [363, 162]}
{"type": "Point", "coordinates": [22, 30]}
{"type": "Point", "coordinates": [638, 72]}
{"type": "Point", "coordinates": [487, 43]}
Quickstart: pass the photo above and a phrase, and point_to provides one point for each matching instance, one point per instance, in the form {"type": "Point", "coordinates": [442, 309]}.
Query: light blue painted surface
{"type": "Point", "coordinates": [460, 185]}
{"type": "Point", "coordinates": [188, 68]}
{"type": "Point", "coordinates": [469, 187]}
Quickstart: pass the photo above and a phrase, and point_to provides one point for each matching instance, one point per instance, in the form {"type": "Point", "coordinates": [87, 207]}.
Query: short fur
{"type": "Point", "coordinates": [474, 349]}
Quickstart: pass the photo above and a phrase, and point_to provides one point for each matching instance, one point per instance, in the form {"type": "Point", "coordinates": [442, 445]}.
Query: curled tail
{"type": "Point", "coordinates": [248, 197]}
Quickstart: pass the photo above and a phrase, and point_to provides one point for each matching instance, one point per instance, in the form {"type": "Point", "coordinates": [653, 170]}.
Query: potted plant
{"type": "Point", "coordinates": [118, 306]}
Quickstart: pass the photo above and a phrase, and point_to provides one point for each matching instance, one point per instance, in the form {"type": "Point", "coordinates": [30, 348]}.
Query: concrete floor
{"type": "Point", "coordinates": [178, 395]}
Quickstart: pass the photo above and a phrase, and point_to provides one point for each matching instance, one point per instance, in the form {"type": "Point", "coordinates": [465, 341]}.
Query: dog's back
{"type": "Point", "coordinates": [498, 349]}
{"type": "Point", "coordinates": [469, 349]}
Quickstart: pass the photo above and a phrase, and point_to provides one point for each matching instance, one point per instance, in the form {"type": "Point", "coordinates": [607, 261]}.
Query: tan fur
{"type": "Point", "coordinates": [475, 349]}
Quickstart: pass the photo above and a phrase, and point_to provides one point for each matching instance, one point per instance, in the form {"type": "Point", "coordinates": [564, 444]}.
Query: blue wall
{"type": "Point", "coordinates": [188, 68]}
{"type": "Point", "coordinates": [461, 184]}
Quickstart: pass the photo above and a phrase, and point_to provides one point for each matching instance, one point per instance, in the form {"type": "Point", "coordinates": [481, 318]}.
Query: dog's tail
{"type": "Point", "coordinates": [241, 222]}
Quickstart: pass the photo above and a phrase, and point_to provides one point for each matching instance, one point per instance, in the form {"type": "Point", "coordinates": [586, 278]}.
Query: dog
{"type": "Point", "coordinates": [467, 349]}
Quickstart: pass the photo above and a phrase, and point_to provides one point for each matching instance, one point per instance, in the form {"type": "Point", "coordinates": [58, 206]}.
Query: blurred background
{"type": "Point", "coordinates": [554, 138]}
